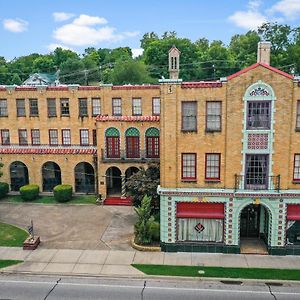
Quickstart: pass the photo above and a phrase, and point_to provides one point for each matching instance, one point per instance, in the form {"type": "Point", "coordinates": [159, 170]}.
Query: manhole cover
{"type": "Point", "coordinates": [236, 282]}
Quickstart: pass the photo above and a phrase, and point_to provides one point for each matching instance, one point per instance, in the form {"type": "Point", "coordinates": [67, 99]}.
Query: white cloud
{"type": "Point", "coordinates": [87, 31]}
{"type": "Point", "coordinates": [85, 20]}
{"type": "Point", "coordinates": [62, 16]}
{"type": "Point", "coordinates": [15, 25]}
{"type": "Point", "coordinates": [52, 47]}
{"type": "Point", "coordinates": [249, 19]}
{"type": "Point", "coordinates": [289, 8]}
{"type": "Point", "coordinates": [137, 52]}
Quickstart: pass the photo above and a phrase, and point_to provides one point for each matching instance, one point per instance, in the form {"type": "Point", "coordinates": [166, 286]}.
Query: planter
{"type": "Point", "coordinates": [145, 247]}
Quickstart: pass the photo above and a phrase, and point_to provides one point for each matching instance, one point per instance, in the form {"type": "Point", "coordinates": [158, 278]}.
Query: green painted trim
{"type": "Point", "coordinates": [112, 131]}
{"type": "Point", "coordinates": [152, 131]}
{"type": "Point", "coordinates": [132, 131]}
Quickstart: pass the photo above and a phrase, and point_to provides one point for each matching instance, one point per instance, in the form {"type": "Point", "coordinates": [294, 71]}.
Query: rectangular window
{"type": "Point", "coordinates": [132, 146]}
{"type": "Point", "coordinates": [152, 146]}
{"type": "Point", "coordinates": [257, 166]}
{"type": "Point", "coordinates": [298, 116]}
{"type": "Point", "coordinates": [112, 147]}
{"type": "Point", "coordinates": [64, 107]}
{"type": "Point", "coordinates": [53, 137]}
{"type": "Point", "coordinates": [213, 116]}
{"type": "Point", "coordinates": [94, 137]}
{"type": "Point", "coordinates": [23, 137]}
{"type": "Point", "coordinates": [83, 107]}
{"type": "Point", "coordinates": [3, 108]}
{"type": "Point", "coordinates": [51, 107]}
{"type": "Point", "coordinates": [212, 166]}
{"type": "Point", "coordinates": [35, 137]}
{"type": "Point", "coordinates": [66, 137]}
{"type": "Point", "coordinates": [117, 107]}
{"type": "Point", "coordinates": [96, 107]}
{"type": "Point", "coordinates": [33, 107]}
{"type": "Point", "coordinates": [297, 167]}
{"type": "Point", "coordinates": [189, 116]}
{"type": "Point", "coordinates": [136, 106]}
{"type": "Point", "coordinates": [5, 138]}
{"type": "Point", "coordinates": [84, 137]}
{"type": "Point", "coordinates": [156, 106]}
{"type": "Point", "coordinates": [188, 166]}
{"type": "Point", "coordinates": [21, 112]}
{"type": "Point", "coordinates": [258, 115]}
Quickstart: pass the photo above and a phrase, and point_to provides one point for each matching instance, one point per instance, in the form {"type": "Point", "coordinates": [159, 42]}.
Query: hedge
{"type": "Point", "coordinates": [63, 192]}
{"type": "Point", "coordinates": [29, 192]}
{"type": "Point", "coordinates": [4, 188]}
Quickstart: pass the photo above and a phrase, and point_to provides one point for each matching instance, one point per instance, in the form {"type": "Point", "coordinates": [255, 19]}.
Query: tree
{"type": "Point", "coordinates": [62, 55]}
{"type": "Point", "coordinates": [16, 80]}
{"type": "Point", "coordinates": [129, 72]}
{"type": "Point", "coordinates": [44, 64]}
{"type": "Point", "coordinates": [144, 183]}
{"type": "Point", "coordinates": [72, 71]}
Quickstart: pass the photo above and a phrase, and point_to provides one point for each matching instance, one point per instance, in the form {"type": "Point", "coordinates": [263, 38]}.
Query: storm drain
{"type": "Point", "coordinates": [273, 283]}
{"type": "Point", "coordinates": [236, 282]}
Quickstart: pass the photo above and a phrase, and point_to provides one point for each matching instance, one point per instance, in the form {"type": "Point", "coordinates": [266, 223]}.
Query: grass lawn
{"type": "Point", "coordinates": [11, 236]}
{"type": "Point", "coordinates": [193, 271]}
{"type": "Point", "coordinates": [7, 263]}
{"type": "Point", "coordinates": [83, 199]}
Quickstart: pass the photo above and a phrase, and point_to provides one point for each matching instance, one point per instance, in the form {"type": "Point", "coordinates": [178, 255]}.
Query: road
{"type": "Point", "coordinates": [24, 287]}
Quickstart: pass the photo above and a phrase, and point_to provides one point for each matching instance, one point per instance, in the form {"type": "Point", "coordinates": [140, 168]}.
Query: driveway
{"type": "Point", "coordinates": [74, 226]}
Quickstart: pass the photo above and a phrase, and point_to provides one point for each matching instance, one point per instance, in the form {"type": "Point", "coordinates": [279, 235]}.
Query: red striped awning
{"type": "Point", "coordinates": [293, 212]}
{"type": "Point", "coordinates": [200, 210]}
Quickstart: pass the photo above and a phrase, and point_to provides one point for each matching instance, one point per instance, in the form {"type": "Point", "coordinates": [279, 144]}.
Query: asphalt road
{"type": "Point", "coordinates": [49, 287]}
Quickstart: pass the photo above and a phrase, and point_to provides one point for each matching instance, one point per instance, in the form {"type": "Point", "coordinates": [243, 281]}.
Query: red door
{"type": "Point", "coordinates": [152, 146]}
{"type": "Point", "coordinates": [132, 147]}
{"type": "Point", "coordinates": [112, 147]}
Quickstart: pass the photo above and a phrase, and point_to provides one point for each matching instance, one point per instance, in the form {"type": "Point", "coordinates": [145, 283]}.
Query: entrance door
{"type": "Point", "coordinates": [250, 221]}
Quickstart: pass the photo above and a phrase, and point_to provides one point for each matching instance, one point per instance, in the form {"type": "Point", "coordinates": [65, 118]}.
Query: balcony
{"type": "Point", "coordinates": [258, 183]}
{"type": "Point", "coordinates": [123, 157]}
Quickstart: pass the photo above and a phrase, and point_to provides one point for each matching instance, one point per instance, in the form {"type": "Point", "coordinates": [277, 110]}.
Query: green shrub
{"type": "Point", "coordinates": [62, 192]}
{"type": "Point", "coordinates": [154, 230]}
{"type": "Point", "coordinates": [29, 192]}
{"type": "Point", "coordinates": [4, 188]}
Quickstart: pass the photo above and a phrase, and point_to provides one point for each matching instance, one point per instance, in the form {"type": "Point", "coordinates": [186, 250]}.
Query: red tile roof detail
{"type": "Point", "coordinates": [25, 88]}
{"type": "Point", "coordinates": [201, 84]}
{"type": "Point", "coordinates": [37, 150]}
{"type": "Point", "coordinates": [2, 89]}
{"type": "Point", "coordinates": [136, 87]}
{"type": "Point", "coordinates": [57, 88]}
{"type": "Point", "coordinates": [127, 118]}
{"type": "Point", "coordinates": [262, 65]}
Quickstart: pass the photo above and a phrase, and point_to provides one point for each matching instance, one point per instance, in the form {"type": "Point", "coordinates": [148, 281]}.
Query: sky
{"type": "Point", "coordinates": [39, 26]}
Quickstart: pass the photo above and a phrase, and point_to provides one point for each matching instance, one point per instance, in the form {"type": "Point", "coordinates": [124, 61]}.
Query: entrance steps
{"type": "Point", "coordinates": [253, 246]}
{"type": "Point", "coordinates": [121, 201]}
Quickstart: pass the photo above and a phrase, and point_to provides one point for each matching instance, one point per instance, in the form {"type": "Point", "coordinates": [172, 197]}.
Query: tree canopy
{"type": "Point", "coordinates": [199, 60]}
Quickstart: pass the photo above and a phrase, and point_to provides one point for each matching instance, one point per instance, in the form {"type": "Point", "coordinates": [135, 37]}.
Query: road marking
{"type": "Point", "coordinates": [148, 287]}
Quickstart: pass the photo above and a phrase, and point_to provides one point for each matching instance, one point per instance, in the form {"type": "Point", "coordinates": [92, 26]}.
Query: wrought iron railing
{"type": "Point", "coordinates": [245, 182]}
{"type": "Point", "coordinates": [122, 156]}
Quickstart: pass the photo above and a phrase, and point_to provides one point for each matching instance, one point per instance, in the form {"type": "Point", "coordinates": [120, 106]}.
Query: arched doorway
{"type": "Point", "coordinates": [113, 181]}
{"type": "Point", "coordinates": [254, 229]}
{"type": "Point", "coordinates": [130, 171]}
{"type": "Point", "coordinates": [51, 175]}
{"type": "Point", "coordinates": [84, 178]}
{"type": "Point", "coordinates": [18, 175]}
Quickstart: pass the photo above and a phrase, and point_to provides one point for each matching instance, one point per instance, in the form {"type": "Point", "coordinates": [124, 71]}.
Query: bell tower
{"type": "Point", "coordinates": [174, 55]}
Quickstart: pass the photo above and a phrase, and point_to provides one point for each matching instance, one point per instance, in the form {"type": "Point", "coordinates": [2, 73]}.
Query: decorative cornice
{"type": "Point", "coordinates": [136, 87]}
{"type": "Point", "coordinates": [127, 118]}
{"type": "Point", "coordinates": [201, 84]}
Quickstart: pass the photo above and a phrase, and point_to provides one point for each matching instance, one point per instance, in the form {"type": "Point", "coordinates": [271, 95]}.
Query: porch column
{"type": "Point", "coordinates": [123, 187]}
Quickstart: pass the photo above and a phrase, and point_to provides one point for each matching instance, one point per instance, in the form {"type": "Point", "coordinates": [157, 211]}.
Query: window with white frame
{"type": "Point", "coordinates": [5, 138]}
{"type": "Point", "coordinates": [297, 167]}
{"type": "Point", "coordinates": [212, 166]}
{"type": "Point", "coordinates": [53, 137]}
{"type": "Point", "coordinates": [258, 114]}
{"type": "Point", "coordinates": [35, 137]}
{"type": "Point", "coordinates": [33, 107]}
{"type": "Point", "coordinates": [156, 106]}
{"type": "Point", "coordinates": [189, 116]}
{"type": "Point", "coordinates": [3, 108]}
{"type": "Point", "coordinates": [51, 106]}
{"type": "Point", "coordinates": [64, 107]}
{"type": "Point", "coordinates": [136, 106]}
{"type": "Point", "coordinates": [188, 166]}
{"type": "Point", "coordinates": [83, 107]}
{"type": "Point", "coordinates": [116, 106]}
{"type": "Point", "coordinates": [96, 107]}
{"type": "Point", "coordinates": [23, 137]}
{"type": "Point", "coordinates": [213, 116]}
{"type": "Point", "coordinates": [20, 103]}
{"type": "Point", "coordinates": [84, 137]}
{"type": "Point", "coordinates": [66, 136]}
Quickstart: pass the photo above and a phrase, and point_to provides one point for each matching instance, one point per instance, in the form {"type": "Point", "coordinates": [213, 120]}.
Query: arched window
{"type": "Point", "coordinates": [112, 136]}
{"type": "Point", "coordinates": [152, 142]}
{"type": "Point", "coordinates": [132, 143]}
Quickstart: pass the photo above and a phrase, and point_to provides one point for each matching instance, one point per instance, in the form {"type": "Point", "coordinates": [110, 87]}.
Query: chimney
{"type": "Point", "coordinates": [174, 55]}
{"type": "Point", "coordinates": [263, 52]}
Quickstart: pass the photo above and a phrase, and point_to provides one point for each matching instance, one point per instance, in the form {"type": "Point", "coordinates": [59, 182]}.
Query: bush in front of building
{"type": "Point", "coordinates": [29, 192]}
{"type": "Point", "coordinates": [146, 229]}
{"type": "Point", "coordinates": [63, 193]}
{"type": "Point", "coordinates": [4, 188]}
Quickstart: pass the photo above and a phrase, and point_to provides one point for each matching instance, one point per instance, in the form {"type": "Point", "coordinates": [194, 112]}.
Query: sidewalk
{"type": "Point", "coordinates": [118, 263]}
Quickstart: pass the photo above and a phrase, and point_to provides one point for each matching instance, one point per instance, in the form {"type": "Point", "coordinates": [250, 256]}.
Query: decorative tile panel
{"type": "Point", "coordinates": [258, 141]}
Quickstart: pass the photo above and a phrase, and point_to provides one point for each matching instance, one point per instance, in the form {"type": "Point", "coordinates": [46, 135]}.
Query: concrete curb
{"type": "Point", "coordinates": [145, 248]}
